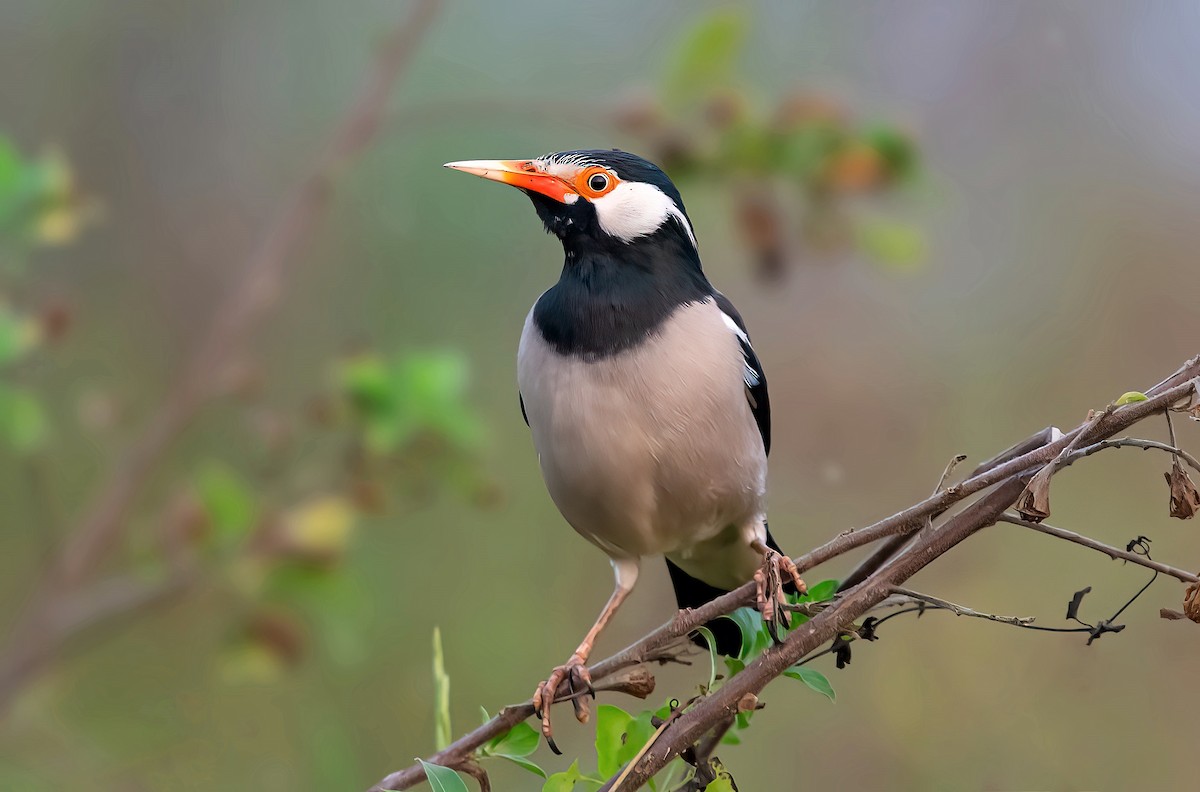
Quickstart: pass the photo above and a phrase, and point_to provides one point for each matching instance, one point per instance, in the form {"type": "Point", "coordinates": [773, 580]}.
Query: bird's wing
{"type": "Point", "coordinates": [756, 379]}
{"type": "Point", "coordinates": [521, 400]}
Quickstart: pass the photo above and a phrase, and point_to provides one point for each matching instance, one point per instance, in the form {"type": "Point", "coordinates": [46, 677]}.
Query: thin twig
{"type": "Point", "coordinates": [1114, 553]}
{"type": "Point", "coordinates": [1134, 442]}
{"type": "Point", "coordinates": [960, 610]}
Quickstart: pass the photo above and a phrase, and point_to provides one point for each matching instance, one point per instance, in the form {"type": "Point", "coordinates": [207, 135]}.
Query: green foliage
{"type": "Point", "coordinates": [568, 779]}
{"type": "Point", "coordinates": [619, 736]}
{"type": "Point", "coordinates": [23, 422]}
{"type": "Point", "coordinates": [814, 679]}
{"type": "Point", "coordinates": [228, 502]}
{"type": "Point", "coordinates": [516, 746]}
{"type": "Point", "coordinates": [705, 56]}
{"type": "Point", "coordinates": [898, 247]}
{"type": "Point", "coordinates": [395, 401]}
{"type": "Point", "coordinates": [38, 200]}
{"type": "Point", "coordinates": [443, 779]}
{"type": "Point", "coordinates": [442, 733]}
{"type": "Point", "coordinates": [721, 783]}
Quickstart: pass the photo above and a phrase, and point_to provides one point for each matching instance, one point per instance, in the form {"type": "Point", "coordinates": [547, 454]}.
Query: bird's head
{"type": "Point", "coordinates": [597, 198]}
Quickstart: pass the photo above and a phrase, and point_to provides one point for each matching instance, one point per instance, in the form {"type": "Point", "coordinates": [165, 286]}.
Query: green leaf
{"type": "Point", "coordinates": [822, 591]}
{"type": "Point", "coordinates": [611, 723]}
{"type": "Point", "coordinates": [1129, 397]}
{"type": "Point", "coordinates": [711, 640]}
{"type": "Point", "coordinates": [227, 501]}
{"type": "Point", "coordinates": [483, 713]}
{"type": "Point", "coordinates": [521, 761]}
{"type": "Point", "coordinates": [23, 422]}
{"type": "Point", "coordinates": [566, 780]}
{"type": "Point", "coordinates": [898, 247]}
{"type": "Point", "coordinates": [442, 735]}
{"type": "Point", "coordinates": [755, 637]}
{"type": "Point", "coordinates": [720, 784]}
{"type": "Point", "coordinates": [705, 57]}
{"type": "Point", "coordinates": [520, 740]}
{"type": "Point", "coordinates": [814, 679]}
{"type": "Point", "coordinates": [897, 149]}
{"type": "Point", "coordinates": [442, 779]}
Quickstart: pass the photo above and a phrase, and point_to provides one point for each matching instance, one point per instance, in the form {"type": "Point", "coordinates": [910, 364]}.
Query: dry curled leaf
{"type": "Point", "coordinates": [1034, 503]}
{"type": "Point", "coordinates": [1185, 499]}
{"type": "Point", "coordinates": [1191, 602]}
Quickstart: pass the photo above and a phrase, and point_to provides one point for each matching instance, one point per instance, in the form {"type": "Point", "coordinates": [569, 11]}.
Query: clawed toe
{"type": "Point", "coordinates": [769, 594]}
{"type": "Point", "coordinates": [579, 689]}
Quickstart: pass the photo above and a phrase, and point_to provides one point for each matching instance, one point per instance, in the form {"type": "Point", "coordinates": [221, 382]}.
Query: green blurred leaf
{"type": "Point", "coordinates": [1129, 397]}
{"type": "Point", "coordinates": [443, 779]}
{"type": "Point", "coordinates": [814, 679]}
{"type": "Point", "coordinates": [705, 57]}
{"type": "Point", "coordinates": [898, 150]}
{"type": "Point", "coordinates": [520, 740]}
{"type": "Point", "coordinates": [897, 247]}
{"type": "Point", "coordinates": [18, 335]}
{"type": "Point", "coordinates": [227, 501]}
{"type": "Point", "coordinates": [442, 734]}
{"type": "Point", "coordinates": [23, 423]}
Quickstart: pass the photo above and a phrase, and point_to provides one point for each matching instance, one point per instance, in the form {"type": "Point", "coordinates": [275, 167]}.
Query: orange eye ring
{"type": "Point", "coordinates": [595, 181]}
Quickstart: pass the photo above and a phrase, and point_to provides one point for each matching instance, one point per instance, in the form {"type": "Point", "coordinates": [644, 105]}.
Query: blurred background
{"type": "Point", "coordinates": [948, 224]}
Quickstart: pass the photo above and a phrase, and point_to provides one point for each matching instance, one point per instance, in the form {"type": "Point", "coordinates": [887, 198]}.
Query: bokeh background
{"type": "Point", "coordinates": [947, 223]}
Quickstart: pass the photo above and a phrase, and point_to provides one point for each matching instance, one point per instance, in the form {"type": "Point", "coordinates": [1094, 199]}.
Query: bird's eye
{"type": "Point", "coordinates": [595, 181]}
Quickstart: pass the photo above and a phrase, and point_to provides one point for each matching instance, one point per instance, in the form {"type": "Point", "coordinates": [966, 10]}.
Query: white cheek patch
{"type": "Point", "coordinates": [636, 209]}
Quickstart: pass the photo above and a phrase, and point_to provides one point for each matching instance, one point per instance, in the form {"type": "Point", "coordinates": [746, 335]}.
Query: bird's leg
{"type": "Point", "coordinates": [768, 582]}
{"type": "Point", "coordinates": [574, 672]}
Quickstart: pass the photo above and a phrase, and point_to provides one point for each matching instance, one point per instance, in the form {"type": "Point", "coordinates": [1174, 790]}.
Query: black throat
{"type": "Point", "coordinates": [613, 295]}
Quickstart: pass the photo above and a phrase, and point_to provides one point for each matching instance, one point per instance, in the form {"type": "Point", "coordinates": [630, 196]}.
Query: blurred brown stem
{"type": "Point", "coordinates": [1009, 471]}
{"type": "Point", "coordinates": [35, 638]}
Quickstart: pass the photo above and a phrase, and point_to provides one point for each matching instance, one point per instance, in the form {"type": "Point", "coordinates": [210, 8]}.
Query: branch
{"type": "Point", "coordinates": [960, 610]}
{"type": "Point", "coordinates": [1110, 551]}
{"type": "Point", "coordinates": [207, 375]}
{"type": "Point", "coordinates": [708, 712]}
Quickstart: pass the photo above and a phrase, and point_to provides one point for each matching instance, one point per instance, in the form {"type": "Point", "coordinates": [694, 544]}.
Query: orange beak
{"type": "Point", "coordinates": [523, 174]}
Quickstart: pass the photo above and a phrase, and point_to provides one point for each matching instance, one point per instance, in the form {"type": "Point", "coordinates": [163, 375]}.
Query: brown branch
{"type": "Point", "coordinates": [1134, 442]}
{"type": "Point", "coordinates": [203, 378]}
{"type": "Point", "coordinates": [1110, 551]}
{"type": "Point", "coordinates": [909, 597]}
{"type": "Point", "coordinates": [1006, 471]}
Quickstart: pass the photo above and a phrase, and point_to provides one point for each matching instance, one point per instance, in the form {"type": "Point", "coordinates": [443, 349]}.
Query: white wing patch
{"type": "Point", "coordinates": [749, 374]}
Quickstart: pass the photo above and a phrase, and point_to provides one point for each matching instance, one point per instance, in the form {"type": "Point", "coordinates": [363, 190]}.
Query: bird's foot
{"type": "Point", "coordinates": [769, 595]}
{"type": "Point", "coordinates": [579, 683]}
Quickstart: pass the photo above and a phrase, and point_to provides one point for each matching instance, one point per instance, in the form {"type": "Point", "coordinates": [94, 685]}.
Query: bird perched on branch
{"type": "Point", "coordinates": [647, 404]}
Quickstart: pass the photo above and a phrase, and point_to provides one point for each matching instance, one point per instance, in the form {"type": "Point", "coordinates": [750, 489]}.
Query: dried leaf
{"type": "Point", "coordinates": [1034, 503]}
{"type": "Point", "coordinates": [1191, 602]}
{"type": "Point", "coordinates": [1185, 498]}
{"type": "Point", "coordinates": [1170, 615]}
{"type": "Point", "coordinates": [1076, 601]}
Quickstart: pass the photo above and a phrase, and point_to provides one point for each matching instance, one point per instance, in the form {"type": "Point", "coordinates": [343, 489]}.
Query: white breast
{"type": "Point", "coordinates": [651, 450]}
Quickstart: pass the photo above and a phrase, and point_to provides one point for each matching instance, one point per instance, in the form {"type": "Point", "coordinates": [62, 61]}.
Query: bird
{"type": "Point", "coordinates": [646, 402]}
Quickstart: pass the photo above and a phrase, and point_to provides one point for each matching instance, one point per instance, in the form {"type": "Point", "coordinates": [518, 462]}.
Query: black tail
{"type": "Point", "coordinates": [692, 593]}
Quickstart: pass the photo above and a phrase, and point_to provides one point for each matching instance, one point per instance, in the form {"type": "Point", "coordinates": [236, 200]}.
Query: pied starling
{"type": "Point", "coordinates": [647, 404]}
